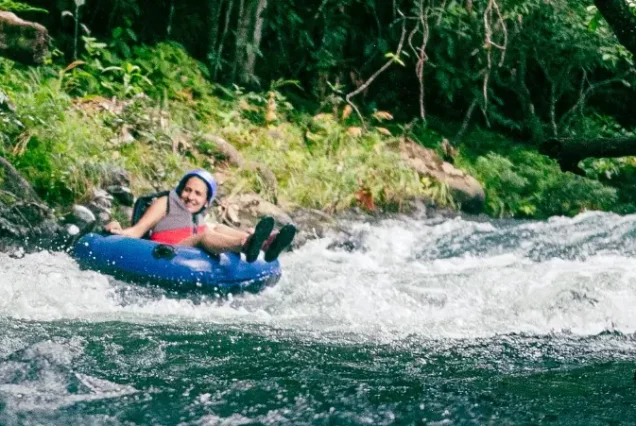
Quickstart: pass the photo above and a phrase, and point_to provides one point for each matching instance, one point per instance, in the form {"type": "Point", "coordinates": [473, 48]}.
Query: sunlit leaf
{"type": "Point", "coordinates": [74, 64]}
{"type": "Point", "coordinates": [384, 131]}
{"type": "Point", "coordinates": [382, 115]}
{"type": "Point", "coordinates": [313, 137]}
{"type": "Point", "coordinates": [324, 116]}
{"type": "Point", "coordinates": [346, 112]}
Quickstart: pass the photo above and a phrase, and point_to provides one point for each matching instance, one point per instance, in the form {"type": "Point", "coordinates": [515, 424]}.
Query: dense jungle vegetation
{"type": "Point", "coordinates": [320, 91]}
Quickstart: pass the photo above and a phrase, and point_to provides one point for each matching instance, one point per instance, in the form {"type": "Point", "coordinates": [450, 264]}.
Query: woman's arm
{"type": "Point", "coordinates": [153, 215]}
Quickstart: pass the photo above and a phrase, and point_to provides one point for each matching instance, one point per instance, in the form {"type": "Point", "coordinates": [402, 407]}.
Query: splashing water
{"type": "Point", "coordinates": [455, 279]}
{"type": "Point", "coordinates": [476, 301]}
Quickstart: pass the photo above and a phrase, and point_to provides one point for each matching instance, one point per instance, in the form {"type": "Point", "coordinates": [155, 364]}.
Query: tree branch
{"type": "Point", "coordinates": [618, 15]}
{"type": "Point", "coordinates": [367, 83]}
{"type": "Point", "coordinates": [319, 11]}
{"type": "Point", "coordinates": [420, 53]}
{"type": "Point", "coordinates": [580, 103]}
{"type": "Point", "coordinates": [467, 117]}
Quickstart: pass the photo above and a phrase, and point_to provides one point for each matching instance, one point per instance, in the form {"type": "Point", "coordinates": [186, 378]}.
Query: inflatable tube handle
{"type": "Point", "coordinates": [164, 251]}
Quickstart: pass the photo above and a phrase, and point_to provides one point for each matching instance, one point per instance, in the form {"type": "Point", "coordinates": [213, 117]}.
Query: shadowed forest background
{"type": "Point", "coordinates": [484, 83]}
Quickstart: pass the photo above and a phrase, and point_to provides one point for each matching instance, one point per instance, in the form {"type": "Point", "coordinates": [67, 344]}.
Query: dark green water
{"type": "Point", "coordinates": [120, 373]}
{"type": "Point", "coordinates": [434, 324]}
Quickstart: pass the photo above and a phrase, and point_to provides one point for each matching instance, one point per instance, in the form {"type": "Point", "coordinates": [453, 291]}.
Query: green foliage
{"type": "Point", "coordinates": [163, 101]}
{"type": "Point", "coordinates": [174, 73]}
{"type": "Point", "coordinates": [453, 38]}
{"type": "Point", "coordinates": [522, 183]}
{"type": "Point", "coordinates": [598, 125]}
{"type": "Point", "coordinates": [122, 38]}
{"type": "Point", "coordinates": [19, 7]}
{"type": "Point", "coordinates": [76, 21]}
{"type": "Point", "coordinates": [9, 122]}
{"type": "Point", "coordinates": [61, 156]}
{"type": "Point", "coordinates": [65, 148]}
{"type": "Point", "coordinates": [162, 72]}
{"type": "Point", "coordinates": [326, 175]}
{"type": "Point", "coordinates": [266, 108]}
{"type": "Point", "coordinates": [100, 72]}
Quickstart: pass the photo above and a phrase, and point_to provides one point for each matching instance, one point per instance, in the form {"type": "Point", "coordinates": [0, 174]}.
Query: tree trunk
{"type": "Point", "coordinates": [22, 41]}
{"type": "Point", "coordinates": [214, 15]}
{"type": "Point", "coordinates": [248, 39]}
{"type": "Point", "coordinates": [568, 152]}
{"type": "Point", "coordinates": [170, 19]}
{"type": "Point", "coordinates": [618, 15]}
{"type": "Point", "coordinates": [226, 29]}
{"type": "Point", "coordinates": [250, 65]}
{"type": "Point", "coordinates": [517, 84]}
{"type": "Point", "coordinates": [240, 44]}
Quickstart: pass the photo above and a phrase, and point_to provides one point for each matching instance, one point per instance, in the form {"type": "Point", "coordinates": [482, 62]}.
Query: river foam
{"type": "Point", "coordinates": [454, 279]}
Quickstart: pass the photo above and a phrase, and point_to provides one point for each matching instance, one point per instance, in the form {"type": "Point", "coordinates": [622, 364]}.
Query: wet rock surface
{"type": "Point", "coordinates": [23, 41]}
{"type": "Point", "coordinates": [25, 221]}
{"type": "Point", "coordinates": [465, 189]}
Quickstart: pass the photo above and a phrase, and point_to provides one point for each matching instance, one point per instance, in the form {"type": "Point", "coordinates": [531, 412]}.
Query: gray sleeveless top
{"type": "Point", "coordinates": [178, 216]}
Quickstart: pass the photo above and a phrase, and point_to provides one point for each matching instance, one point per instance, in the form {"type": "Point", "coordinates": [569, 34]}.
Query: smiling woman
{"type": "Point", "coordinates": [178, 218]}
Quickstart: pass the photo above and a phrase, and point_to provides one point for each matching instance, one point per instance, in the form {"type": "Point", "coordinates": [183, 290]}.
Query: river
{"type": "Point", "coordinates": [438, 322]}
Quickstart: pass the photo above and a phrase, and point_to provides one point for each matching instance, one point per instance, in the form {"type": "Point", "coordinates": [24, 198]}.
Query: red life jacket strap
{"type": "Point", "coordinates": [175, 236]}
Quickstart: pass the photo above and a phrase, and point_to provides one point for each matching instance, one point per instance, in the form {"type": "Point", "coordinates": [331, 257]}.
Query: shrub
{"type": "Point", "coordinates": [534, 186]}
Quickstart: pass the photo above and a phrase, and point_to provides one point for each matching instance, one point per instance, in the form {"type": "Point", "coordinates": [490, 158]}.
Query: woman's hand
{"type": "Point", "coordinates": [113, 227]}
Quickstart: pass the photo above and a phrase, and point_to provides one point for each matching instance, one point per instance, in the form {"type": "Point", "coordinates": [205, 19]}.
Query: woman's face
{"type": "Point", "coordinates": [194, 194]}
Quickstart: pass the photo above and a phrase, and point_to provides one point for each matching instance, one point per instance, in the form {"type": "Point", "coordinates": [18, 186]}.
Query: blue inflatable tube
{"type": "Point", "coordinates": [175, 267]}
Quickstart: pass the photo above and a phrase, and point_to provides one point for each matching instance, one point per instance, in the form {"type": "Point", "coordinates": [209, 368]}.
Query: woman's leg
{"type": "Point", "coordinates": [226, 230]}
{"type": "Point", "coordinates": [217, 242]}
{"type": "Point", "coordinates": [220, 238]}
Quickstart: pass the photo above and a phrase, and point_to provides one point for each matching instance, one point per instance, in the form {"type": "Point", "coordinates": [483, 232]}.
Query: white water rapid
{"type": "Point", "coordinates": [451, 279]}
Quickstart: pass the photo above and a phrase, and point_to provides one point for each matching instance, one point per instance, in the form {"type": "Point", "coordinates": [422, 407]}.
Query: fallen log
{"type": "Point", "coordinates": [619, 15]}
{"type": "Point", "coordinates": [568, 152]}
{"type": "Point", "coordinates": [22, 41]}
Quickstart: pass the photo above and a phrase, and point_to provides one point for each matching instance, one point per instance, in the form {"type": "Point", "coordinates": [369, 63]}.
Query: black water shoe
{"type": "Point", "coordinates": [253, 245]}
{"type": "Point", "coordinates": [281, 242]}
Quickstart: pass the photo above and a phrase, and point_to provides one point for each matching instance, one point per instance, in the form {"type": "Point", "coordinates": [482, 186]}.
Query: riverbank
{"type": "Point", "coordinates": [100, 131]}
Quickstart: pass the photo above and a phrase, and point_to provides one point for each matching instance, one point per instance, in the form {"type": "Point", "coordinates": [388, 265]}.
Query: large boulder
{"type": "Point", "coordinates": [465, 189]}
{"type": "Point", "coordinates": [312, 224]}
{"type": "Point", "coordinates": [82, 217]}
{"type": "Point", "coordinates": [101, 205]}
{"type": "Point", "coordinates": [116, 176]}
{"type": "Point", "coordinates": [25, 221]}
{"type": "Point", "coordinates": [12, 182]}
{"type": "Point", "coordinates": [243, 210]}
{"type": "Point", "coordinates": [22, 41]}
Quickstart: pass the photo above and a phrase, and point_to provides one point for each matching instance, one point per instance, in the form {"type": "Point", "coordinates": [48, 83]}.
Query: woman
{"type": "Point", "coordinates": [176, 218]}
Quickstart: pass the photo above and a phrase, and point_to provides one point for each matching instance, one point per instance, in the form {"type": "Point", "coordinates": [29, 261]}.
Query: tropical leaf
{"type": "Point", "coordinates": [382, 115]}
{"type": "Point", "coordinates": [324, 116]}
{"type": "Point", "coordinates": [364, 197]}
{"type": "Point", "coordinates": [346, 112]}
{"type": "Point", "coordinates": [74, 64]}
